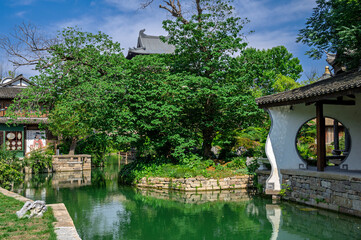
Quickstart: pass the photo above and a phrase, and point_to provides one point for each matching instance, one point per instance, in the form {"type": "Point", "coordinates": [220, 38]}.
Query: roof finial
{"type": "Point", "coordinates": [326, 75]}
{"type": "Point", "coordinates": [327, 70]}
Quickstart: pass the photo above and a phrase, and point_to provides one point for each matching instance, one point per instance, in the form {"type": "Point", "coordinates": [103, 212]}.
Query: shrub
{"type": "Point", "coordinates": [96, 146]}
{"type": "Point", "coordinates": [237, 163]}
{"type": "Point", "coordinates": [10, 169]}
{"type": "Point", "coordinates": [133, 172]}
{"type": "Point", "coordinates": [39, 160]}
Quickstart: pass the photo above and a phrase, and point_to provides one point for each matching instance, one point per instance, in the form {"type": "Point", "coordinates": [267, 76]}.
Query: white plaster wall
{"type": "Point", "coordinates": [350, 116]}
{"type": "Point", "coordinates": [286, 123]}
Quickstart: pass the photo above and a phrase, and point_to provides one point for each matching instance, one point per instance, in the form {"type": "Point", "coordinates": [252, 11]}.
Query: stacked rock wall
{"type": "Point", "coordinates": [335, 191]}
{"type": "Point", "coordinates": [66, 163]}
{"type": "Point", "coordinates": [262, 176]}
{"type": "Point", "coordinates": [197, 183]}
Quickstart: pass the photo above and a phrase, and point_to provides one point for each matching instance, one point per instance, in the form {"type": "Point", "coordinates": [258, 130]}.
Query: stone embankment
{"type": "Point", "coordinates": [330, 190]}
{"type": "Point", "coordinates": [68, 163]}
{"type": "Point", "coordinates": [197, 183]}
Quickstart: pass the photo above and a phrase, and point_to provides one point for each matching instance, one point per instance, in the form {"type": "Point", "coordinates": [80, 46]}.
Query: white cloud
{"type": "Point", "coordinates": [123, 28]}
{"type": "Point", "coordinates": [261, 14]}
{"type": "Point", "coordinates": [125, 5]}
{"type": "Point", "coordinates": [20, 14]}
{"type": "Point", "coordinates": [266, 40]}
{"type": "Point", "coordinates": [125, 18]}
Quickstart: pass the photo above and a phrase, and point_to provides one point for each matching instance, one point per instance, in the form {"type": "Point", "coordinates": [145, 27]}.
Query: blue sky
{"type": "Point", "coordinates": [275, 22]}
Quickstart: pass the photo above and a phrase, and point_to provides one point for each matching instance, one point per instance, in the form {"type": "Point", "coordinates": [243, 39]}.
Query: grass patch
{"type": "Point", "coordinates": [133, 172]}
{"type": "Point", "coordinates": [13, 228]}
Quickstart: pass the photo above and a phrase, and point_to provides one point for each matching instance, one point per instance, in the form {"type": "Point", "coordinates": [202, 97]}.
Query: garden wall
{"type": "Point", "coordinates": [262, 176]}
{"type": "Point", "coordinates": [338, 191]}
{"type": "Point", "coordinates": [66, 163]}
{"type": "Point", "coordinates": [197, 183]}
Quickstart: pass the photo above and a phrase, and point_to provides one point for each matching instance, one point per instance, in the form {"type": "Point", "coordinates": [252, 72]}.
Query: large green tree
{"type": "Point", "coordinates": [80, 74]}
{"type": "Point", "coordinates": [163, 105]}
{"type": "Point", "coordinates": [155, 103]}
{"type": "Point", "coordinates": [220, 99]}
{"type": "Point", "coordinates": [270, 70]}
{"type": "Point", "coordinates": [335, 27]}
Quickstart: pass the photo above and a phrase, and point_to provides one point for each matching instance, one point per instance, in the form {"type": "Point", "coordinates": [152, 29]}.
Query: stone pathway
{"type": "Point", "coordinates": [64, 227]}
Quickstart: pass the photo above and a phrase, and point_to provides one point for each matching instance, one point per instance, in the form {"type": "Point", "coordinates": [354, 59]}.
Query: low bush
{"type": "Point", "coordinates": [10, 169]}
{"type": "Point", "coordinates": [133, 172]}
{"type": "Point", "coordinates": [39, 160]}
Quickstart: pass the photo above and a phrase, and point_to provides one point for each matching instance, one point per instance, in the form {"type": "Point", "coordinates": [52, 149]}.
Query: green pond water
{"type": "Point", "coordinates": [103, 209]}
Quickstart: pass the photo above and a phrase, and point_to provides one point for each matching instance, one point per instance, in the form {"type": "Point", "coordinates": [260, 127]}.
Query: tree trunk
{"type": "Point", "coordinates": [73, 146]}
{"type": "Point", "coordinates": [208, 135]}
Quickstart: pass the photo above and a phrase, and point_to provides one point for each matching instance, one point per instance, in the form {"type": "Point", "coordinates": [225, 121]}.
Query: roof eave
{"type": "Point", "coordinates": [309, 99]}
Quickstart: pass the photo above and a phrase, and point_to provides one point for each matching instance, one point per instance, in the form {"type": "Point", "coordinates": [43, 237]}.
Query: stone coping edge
{"type": "Point", "coordinates": [343, 176]}
{"type": "Point", "coordinates": [64, 227]}
{"type": "Point", "coordinates": [263, 172]}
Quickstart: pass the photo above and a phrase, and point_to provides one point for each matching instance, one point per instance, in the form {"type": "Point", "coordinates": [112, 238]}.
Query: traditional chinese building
{"type": "Point", "coordinates": [327, 185]}
{"type": "Point", "coordinates": [148, 44]}
{"type": "Point", "coordinates": [24, 134]}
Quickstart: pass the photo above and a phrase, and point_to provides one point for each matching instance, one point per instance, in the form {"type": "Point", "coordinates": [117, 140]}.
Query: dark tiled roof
{"type": "Point", "coordinates": [18, 78]}
{"type": "Point", "coordinates": [9, 92]}
{"type": "Point", "coordinates": [149, 45]}
{"type": "Point", "coordinates": [340, 85]}
{"type": "Point", "coordinates": [23, 120]}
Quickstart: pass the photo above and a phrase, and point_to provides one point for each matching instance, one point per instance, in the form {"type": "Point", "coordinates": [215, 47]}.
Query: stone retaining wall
{"type": "Point", "coordinates": [67, 163]}
{"type": "Point", "coordinates": [262, 176]}
{"type": "Point", "coordinates": [335, 191]}
{"type": "Point", "coordinates": [197, 183]}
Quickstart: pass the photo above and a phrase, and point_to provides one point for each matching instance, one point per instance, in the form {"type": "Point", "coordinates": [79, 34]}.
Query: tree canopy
{"type": "Point", "coordinates": [204, 45]}
{"type": "Point", "coordinates": [265, 68]}
{"type": "Point", "coordinates": [164, 105]}
{"type": "Point", "coordinates": [335, 27]}
{"type": "Point", "coordinates": [75, 81]}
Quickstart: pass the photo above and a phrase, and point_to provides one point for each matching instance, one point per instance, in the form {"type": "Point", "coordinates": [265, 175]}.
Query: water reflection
{"type": "Point", "coordinates": [198, 197]}
{"type": "Point", "coordinates": [274, 216]}
{"type": "Point", "coordinates": [103, 209]}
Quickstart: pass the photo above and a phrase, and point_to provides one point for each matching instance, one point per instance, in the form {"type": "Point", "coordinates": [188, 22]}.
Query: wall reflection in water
{"type": "Point", "coordinates": [199, 197]}
{"type": "Point", "coordinates": [71, 179]}
{"type": "Point", "coordinates": [39, 186]}
{"type": "Point", "coordinates": [292, 221]}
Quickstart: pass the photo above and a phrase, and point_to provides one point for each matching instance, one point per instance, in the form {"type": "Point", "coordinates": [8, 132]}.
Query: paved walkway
{"type": "Point", "coordinates": [64, 227]}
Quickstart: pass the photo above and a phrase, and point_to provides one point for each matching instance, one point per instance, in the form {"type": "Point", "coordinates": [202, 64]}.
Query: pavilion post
{"type": "Point", "coordinates": [336, 141]}
{"type": "Point", "coordinates": [347, 142]}
{"type": "Point", "coordinates": [321, 141]}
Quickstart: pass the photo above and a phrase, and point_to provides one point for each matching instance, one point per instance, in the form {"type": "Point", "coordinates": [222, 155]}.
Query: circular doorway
{"type": "Point", "coordinates": [337, 139]}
